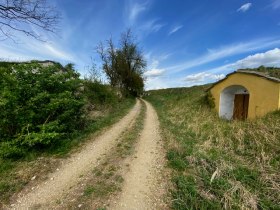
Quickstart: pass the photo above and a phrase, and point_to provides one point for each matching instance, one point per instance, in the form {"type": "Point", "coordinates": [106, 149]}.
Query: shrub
{"type": "Point", "coordinates": [98, 93]}
{"type": "Point", "coordinates": [209, 99]}
{"type": "Point", "coordinates": [39, 105]}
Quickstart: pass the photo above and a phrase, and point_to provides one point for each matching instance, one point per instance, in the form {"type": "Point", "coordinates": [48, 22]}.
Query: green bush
{"type": "Point", "coordinates": [39, 105]}
{"type": "Point", "coordinates": [209, 99]}
{"type": "Point", "coordinates": [98, 93]}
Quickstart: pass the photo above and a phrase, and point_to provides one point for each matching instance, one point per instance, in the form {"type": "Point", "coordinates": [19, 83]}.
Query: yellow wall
{"type": "Point", "coordinates": [264, 94]}
{"type": "Point", "coordinates": [279, 97]}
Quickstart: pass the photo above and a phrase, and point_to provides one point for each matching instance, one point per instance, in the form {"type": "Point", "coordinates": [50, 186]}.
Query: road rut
{"type": "Point", "coordinates": [142, 187]}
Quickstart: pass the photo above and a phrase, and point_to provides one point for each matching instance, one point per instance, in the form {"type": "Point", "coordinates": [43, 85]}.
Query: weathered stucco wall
{"type": "Point", "coordinates": [264, 94]}
{"type": "Point", "coordinates": [279, 97]}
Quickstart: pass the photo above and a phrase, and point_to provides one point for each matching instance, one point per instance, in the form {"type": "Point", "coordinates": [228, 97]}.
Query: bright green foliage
{"type": "Point", "coordinates": [99, 94]}
{"type": "Point", "coordinates": [39, 105]}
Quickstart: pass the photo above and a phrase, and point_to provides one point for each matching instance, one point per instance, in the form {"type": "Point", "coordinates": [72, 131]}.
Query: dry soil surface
{"type": "Point", "coordinates": [67, 176]}
{"type": "Point", "coordinates": [144, 186]}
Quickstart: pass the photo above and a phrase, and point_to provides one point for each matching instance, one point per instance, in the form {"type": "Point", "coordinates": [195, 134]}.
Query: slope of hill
{"type": "Point", "coordinates": [218, 164]}
{"type": "Point", "coordinates": [267, 71]}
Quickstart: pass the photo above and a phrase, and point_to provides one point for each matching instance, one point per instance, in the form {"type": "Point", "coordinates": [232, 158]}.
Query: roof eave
{"type": "Point", "coordinates": [273, 79]}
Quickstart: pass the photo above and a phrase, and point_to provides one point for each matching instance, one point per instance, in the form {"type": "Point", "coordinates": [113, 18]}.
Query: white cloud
{"type": "Point", "coordinates": [135, 9]}
{"type": "Point", "coordinates": [154, 60]}
{"type": "Point", "coordinates": [33, 49]}
{"type": "Point", "coordinates": [245, 7]}
{"type": "Point", "coordinates": [155, 85]}
{"type": "Point", "coordinates": [175, 29]}
{"type": "Point", "coordinates": [159, 83]}
{"type": "Point", "coordinates": [155, 76]}
{"type": "Point", "coordinates": [154, 64]}
{"type": "Point", "coordinates": [268, 58]}
{"type": "Point", "coordinates": [203, 77]}
{"type": "Point", "coordinates": [154, 73]}
{"type": "Point", "coordinates": [53, 51]}
{"type": "Point", "coordinates": [151, 26]}
{"type": "Point", "coordinates": [275, 4]}
{"type": "Point", "coordinates": [223, 52]}
{"type": "Point", "coordinates": [165, 56]}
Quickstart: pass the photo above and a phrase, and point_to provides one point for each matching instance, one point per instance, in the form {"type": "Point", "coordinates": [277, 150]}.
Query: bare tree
{"type": "Point", "coordinates": [110, 62]}
{"type": "Point", "coordinates": [93, 73]}
{"type": "Point", "coordinates": [22, 15]}
{"type": "Point", "coordinates": [123, 65]}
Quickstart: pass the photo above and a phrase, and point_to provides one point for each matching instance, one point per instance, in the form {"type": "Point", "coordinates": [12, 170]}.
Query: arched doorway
{"type": "Point", "coordinates": [234, 102]}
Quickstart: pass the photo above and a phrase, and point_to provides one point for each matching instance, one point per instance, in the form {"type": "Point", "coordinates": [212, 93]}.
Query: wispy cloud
{"type": "Point", "coordinates": [203, 77]}
{"type": "Point", "coordinates": [245, 7]}
{"type": "Point", "coordinates": [275, 4]}
{"type": "Point", "coordinates": [33, 49]}
{"type": "Point", "coordinates": [135, 9]}
{"type": "Point", "coordinates": [151, 26]}
{"type": "Point", "coordinates": [55, 52]}
{"type": "Point", "coordinates": [223, 52]}
{"type": "Point", "coordinates": [154, 73]}
{"type": "Point", "coordinates": [175, 29]}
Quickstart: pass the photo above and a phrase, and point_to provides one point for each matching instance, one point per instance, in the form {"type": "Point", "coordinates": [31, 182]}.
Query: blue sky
{"type": "Point", "coordinates": [185, 43]}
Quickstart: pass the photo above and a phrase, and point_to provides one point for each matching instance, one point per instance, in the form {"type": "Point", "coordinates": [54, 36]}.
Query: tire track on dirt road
{"type": "Point", "coordinates": [144, 187]}
{"type": "Point", "coordinates": [79, 163]}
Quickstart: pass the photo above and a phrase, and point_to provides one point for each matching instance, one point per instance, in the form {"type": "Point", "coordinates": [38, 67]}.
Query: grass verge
{"type": "Point", "coordinates": [15, 174]}
{"type": "Point", "coordinates": [218, 164]}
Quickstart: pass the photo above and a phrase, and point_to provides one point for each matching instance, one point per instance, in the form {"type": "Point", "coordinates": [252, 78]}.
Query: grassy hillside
{"type": "Point", "coordinates": [218, 164]}
{"type": "Point", "coordinates": [268, 71]}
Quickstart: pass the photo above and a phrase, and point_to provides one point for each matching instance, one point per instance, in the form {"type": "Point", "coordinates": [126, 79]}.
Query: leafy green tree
{"type": "Point", "coordinates": [39, 104]}
{"type": "Point", "coordinates": [124, 65]}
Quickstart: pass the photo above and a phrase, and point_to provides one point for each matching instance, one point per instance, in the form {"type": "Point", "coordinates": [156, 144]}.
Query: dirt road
{"type": "Point", "coordinates": [67, 176]}
{"type": "Point", "coordinates": [143, 186]}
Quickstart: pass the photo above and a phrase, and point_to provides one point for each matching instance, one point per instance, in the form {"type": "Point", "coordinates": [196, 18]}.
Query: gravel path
{"type": "Point", "coordinates": [67, 176]}
{"type": "Point", "coordinates": [142, 186]}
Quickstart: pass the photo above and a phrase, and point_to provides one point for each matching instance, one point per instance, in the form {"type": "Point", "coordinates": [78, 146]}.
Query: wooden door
{"type": "Point", "coordinates": [241, 104]}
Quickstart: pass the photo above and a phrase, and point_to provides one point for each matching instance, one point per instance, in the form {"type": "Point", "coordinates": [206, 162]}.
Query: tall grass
{"type": "Point", "coordinates": [218, 164]}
